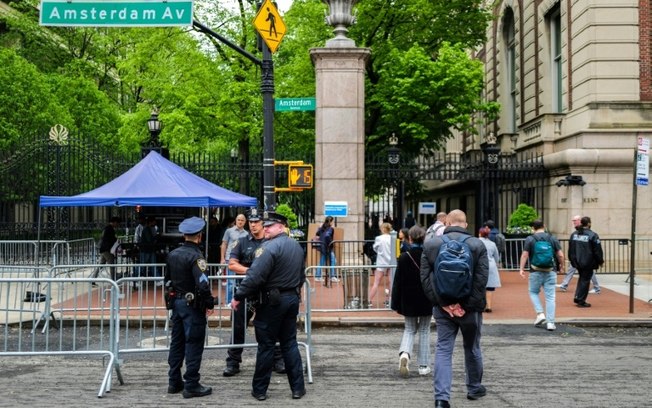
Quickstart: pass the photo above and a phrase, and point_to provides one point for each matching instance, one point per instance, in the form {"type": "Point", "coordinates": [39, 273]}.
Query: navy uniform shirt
{"type": "Point", "coordinates": [186, 268]}
{"type": "Point", "coordinates": [244, 249]}
{"type": "Point", "coordinates": [279, 263]}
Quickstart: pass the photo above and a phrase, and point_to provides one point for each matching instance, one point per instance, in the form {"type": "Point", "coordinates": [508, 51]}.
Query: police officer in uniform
{"type": "Point", "coordinates": [276, 276]}
{"type": "Point", "coordinates": [241, 257]}
{"type": "Point", "coordinates": [188, 295]}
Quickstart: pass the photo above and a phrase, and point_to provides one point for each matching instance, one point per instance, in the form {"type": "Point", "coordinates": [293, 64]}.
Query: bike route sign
{"type": "Point", "coordinates": [116, 13]}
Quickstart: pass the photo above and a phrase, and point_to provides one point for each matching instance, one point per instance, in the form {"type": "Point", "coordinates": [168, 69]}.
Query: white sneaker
{"type": "Point", "coordinates": [335, 279]}
{"type": "Point", "coordinates": [594, 291]}
{"type": "Point", "coordinates": [551, 326]}
{"type": "Point", "coordinates": [318, 279]}
{"type": "Point", "coordinates": [540, 320]}
{"type": "Point", "coordinates": [424, 370]}
{"type": "Point", "coordinates": [403, 362]}
{"type": "Point", "coordinates": [159, 283]}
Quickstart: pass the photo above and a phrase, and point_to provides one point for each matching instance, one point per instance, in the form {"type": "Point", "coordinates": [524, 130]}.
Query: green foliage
{"type": "Point", "coordinates": [521, 219]}
{"type": "Point", "coordinates": [286, 211]}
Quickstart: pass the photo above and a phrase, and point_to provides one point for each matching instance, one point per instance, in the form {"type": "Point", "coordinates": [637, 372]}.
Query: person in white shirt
{"type": "Point", "coordinates": [383, 248]}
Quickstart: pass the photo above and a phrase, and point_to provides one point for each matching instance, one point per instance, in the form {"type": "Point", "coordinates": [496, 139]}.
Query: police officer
{"type": "Point", "coordinates": [276, 275]}
{"type": "Point", "coordinates": [241, 257]}
{"type": "Point", "coordinates": [188, 296]}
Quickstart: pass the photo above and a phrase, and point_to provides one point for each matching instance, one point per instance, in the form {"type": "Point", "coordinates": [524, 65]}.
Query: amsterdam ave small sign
{"type": "Point", "coordinates": [116, 13]}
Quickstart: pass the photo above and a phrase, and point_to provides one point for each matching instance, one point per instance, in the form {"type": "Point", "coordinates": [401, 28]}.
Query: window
{"type": "Point", "coordinates": [510, 71]}
{"type": "Point", "coordinates": [554, 22]}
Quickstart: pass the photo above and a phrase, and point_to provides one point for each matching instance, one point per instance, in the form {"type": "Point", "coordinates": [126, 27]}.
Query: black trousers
{"type": "Point", "coordinates": [186, 342]}
{"type": "Point", "coordinates": [582, 290]}
{"type": "Point", "coordinates": [240, 321]}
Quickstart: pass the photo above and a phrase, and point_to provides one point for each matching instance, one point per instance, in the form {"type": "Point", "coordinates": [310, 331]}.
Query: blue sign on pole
{"type": "Point", "coordinates": [336, 208]}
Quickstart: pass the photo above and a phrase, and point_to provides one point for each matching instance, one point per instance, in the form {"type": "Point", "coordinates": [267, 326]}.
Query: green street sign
{"type": "Point", "coordinates": [294, 104]}
{"type": "Point", "coordinates": [116, 13]}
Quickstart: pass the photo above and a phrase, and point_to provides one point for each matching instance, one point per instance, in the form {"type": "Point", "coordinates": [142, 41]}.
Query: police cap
{"type": "Point", "coordinates": [272, 218]}
{"type": "Point", "coordinates": [192, 226]}
{"type": "Point", "coordinates": [254, 215]}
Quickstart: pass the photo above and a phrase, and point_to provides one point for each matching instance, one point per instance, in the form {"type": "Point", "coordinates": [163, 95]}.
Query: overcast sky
{"type": "Point", "coordinates": [283, 5]}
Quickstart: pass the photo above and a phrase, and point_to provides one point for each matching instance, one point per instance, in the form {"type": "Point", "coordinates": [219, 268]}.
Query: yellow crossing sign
{"type": "Point", "coordinates": [270, 25]}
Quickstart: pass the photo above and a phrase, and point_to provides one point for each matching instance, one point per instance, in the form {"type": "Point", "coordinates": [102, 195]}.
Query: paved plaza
{"type": "Point", "coordinates": [525, 366]}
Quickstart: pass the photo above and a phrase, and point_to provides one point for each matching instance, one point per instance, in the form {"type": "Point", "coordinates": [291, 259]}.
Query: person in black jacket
{"type": "Point", "coordinates": [107, 240]}
{"type": "Point", "coordinates": [585, 254]}
{"type": "Point", "coordinates": [450, 320]}
{"type": "Point", "coordinates": [276, 276]}
{"type": "Point", "coordinates": [189, 295]}
{"type": "Point", "coordinates": [409, 300]}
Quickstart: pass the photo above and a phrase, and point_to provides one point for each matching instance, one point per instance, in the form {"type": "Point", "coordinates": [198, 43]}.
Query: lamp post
{"type": "Point", "coordinates": [394, 159]}
{"type": "Point", "coordinates": [488, 187]}
{"type": "Point", "coordinates": [153, 144]}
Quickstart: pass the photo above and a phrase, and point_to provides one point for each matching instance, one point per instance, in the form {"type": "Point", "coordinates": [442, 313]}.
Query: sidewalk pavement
{"type": "Point", "coordinates": [524, 366]}
{"type": "Point", "coordinates": [512, 305]}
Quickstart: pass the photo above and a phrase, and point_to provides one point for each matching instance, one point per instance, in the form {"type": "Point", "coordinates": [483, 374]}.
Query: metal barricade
{"type": "Point", "coordinates": [356, 281]}
{"type": "Point", "coordinates": [69, 327]}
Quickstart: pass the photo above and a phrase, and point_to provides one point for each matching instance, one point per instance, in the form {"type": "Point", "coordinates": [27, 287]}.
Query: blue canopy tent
{"type": "Point", "coordinates": [154, 181]}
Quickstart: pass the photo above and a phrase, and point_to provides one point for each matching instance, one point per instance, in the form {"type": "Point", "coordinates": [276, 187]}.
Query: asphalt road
{"type": "Point", "coordinates": [358, 367]}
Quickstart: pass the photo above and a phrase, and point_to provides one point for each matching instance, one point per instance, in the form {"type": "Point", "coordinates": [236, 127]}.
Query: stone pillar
{"type": "Point", "coordinates": [339, 129]}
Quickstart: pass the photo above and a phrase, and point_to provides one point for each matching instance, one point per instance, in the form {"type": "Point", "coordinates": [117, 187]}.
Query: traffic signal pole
{"type": "Point", "coordinates": [267, 90]}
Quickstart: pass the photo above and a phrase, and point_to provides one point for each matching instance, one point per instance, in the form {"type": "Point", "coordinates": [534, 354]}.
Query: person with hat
{"type": "Point", "coordinates": [276, 277]}
{"type": "Point", "coordinates": [189, 295]}
{"type": "Point", "coordinates": [241, 258]}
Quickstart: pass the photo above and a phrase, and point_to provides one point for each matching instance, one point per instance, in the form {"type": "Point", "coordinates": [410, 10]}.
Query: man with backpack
{"type": "Point", "coordinates": [545, 255]}
{"type": "Point", "coordinates": [454, 272]}
{"type": "Point", "coordinates": [436, 229]}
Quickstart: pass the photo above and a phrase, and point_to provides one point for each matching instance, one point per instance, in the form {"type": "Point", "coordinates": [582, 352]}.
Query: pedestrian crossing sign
{"type": "Point", "coordinates": [270, 25]}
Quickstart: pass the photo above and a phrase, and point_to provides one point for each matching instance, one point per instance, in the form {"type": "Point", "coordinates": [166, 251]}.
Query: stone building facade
{"type": "Point", "coordinates": [574, 80]}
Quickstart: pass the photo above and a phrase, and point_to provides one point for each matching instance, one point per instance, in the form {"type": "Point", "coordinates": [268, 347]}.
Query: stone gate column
{"type": "Point", "coordinates": [339, 130]}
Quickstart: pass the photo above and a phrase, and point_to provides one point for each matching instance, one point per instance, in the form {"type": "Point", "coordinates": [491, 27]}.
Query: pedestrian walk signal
{"type": "Point", "coordinates": [270, 25]}
{"type": "Point", "coordinates": [300, 176]}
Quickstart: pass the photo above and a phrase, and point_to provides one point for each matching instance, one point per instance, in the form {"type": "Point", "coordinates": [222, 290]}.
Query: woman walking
{"type": "Point", "coordinates": [493, 281]}
{"type": "Point", "coordinates": [409, 300]}
{"type": "Point", "coordinates": [383, 248]}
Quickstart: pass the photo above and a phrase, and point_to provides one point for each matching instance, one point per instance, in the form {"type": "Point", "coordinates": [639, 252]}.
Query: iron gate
{"type": "Point", "coordinates": [486, 184]}
{"type": "Point", "coordinates": [64, 165]}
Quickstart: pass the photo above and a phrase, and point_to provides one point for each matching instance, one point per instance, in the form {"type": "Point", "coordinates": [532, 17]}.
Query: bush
{"type": "Point", "coordinates": [286, 211]}
{"type": "Point", "coordinates": [521, 219]}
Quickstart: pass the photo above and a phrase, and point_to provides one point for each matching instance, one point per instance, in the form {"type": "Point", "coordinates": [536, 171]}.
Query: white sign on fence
{"type": "Point", "coordinates": [427, 208]}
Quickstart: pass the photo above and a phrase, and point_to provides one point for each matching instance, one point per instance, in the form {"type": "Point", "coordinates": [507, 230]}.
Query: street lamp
{"type": "Point", "coordinates": [154, 126]}
{"type": "Point", "coordinates": [153, 144]}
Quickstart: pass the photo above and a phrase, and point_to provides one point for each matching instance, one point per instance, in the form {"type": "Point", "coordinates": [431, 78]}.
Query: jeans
{"type": "Point", "coordinates": [322, 262]}
{"type": "Point", "coordinates": [447, 327]}
{"type": "Point", "coordinates": [186, 342]}
{"type": "Point", "coordinates": [548, 281]}
{"type": "Point", "coordinates": [147, 258]}
{"type": "Point", "coordinates": [412, 324]}
{"type": "Point", "coordinates": [230, 285]}
{"type": "Point", "coordinates": [272, 323]}
{"type": "Point", "coordinates": [569, 276]}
